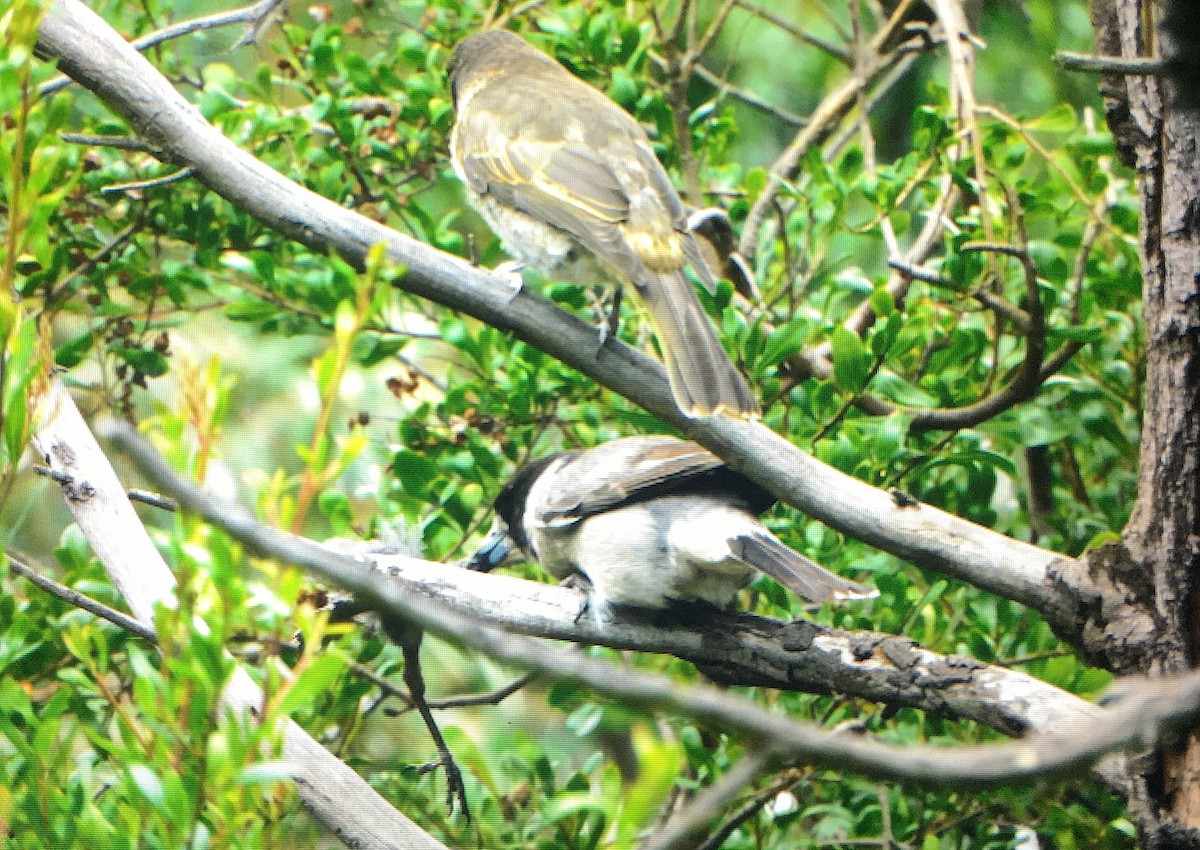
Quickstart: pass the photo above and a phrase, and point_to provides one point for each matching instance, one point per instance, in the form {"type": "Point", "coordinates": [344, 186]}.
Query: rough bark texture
{"type": "Point", "coordinates": [1103, 607]}
{"type": "Point", "coordinates": [1163, 534]}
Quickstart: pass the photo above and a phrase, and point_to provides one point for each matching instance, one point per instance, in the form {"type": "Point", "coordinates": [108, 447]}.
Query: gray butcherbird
{"type": "Point", "coordinates": [569, 182]}
{"type": "Point", "coordinates": [649, 521]}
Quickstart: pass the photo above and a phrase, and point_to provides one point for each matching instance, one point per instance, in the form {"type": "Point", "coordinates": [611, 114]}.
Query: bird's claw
{"type": "Point", "coordinates": [510, 272]}
{"type": "Point", "coordinates": [611, 322]}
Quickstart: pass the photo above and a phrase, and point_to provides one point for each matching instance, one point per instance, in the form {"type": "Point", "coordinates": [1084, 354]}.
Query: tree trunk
{"type": "Point", "coordinates": [1163, 534]}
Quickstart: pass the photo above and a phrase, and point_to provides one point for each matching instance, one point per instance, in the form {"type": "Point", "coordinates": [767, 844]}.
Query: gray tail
{"type": "Point", "coordinates": [703, 379]}
{"type": "Point", "coordinates": [795, 572]}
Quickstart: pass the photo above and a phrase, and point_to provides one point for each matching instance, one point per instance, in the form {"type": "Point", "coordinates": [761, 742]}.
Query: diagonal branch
{"type": "Point", "coordinates": [1147, 711]}
{"type": "Point", "coordinates": [684, 827]}
{"type": "Point", "coordinates": [733, 650]}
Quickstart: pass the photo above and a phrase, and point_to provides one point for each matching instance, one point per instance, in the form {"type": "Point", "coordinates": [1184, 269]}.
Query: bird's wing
{"type": "Point", "coordinates": [561, 184]}
{"type": "Point", "coordinates": [623, 472]}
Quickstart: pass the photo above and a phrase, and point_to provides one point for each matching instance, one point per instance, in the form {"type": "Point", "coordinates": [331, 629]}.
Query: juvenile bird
{"type": "Point", "coordinates": [649, 521]}
{"type": "Point", "coordinates": [569, 182]}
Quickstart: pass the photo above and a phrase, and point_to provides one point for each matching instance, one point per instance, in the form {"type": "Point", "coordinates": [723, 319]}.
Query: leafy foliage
{"type": "Point", "coordinates": [343, 407]}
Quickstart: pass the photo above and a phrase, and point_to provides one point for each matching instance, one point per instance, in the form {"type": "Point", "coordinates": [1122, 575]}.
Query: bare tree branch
{"type": "Point", "coordinates": [734, 650]}
{"type": "Point", "coordinates": [1137, 65]}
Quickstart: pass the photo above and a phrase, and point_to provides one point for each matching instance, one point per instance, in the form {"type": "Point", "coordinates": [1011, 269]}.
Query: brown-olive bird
{"type": "Point", "coordinates": [569, 182]}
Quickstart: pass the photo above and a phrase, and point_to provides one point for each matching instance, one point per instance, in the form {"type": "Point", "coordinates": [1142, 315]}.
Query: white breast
{"type": "Point", "coordinates": [651, 554]}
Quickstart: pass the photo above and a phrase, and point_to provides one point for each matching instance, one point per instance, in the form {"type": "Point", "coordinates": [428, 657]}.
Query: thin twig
{"type": "Point", "coordinates": [995, 303]}
{"type": "Point", "coordinates": [752, 807]}
{"type": "Point", "coordinates": [79, 600]}
{"type": "Point", "coordinates": [838, 53]}
{"type": "Point", "coordinates": [724, 87]}
{"type": "Point", "coordinates": [683, 828]}
{"type": "Point", "coordinates": [831, 109]}
{"type": "Point", "coordinates": [961, 56]}
{"type": "Point", "coordinates": [491, 698]}
{"type": "Point", "coordinates": [156, 500]}
{"type": "Point", "coordinates": [878, 94]}
{"type": "Point", "coordinates": [52, 297]}
{"type": "Point", "coordinates": [136, 185]}
{"type": "Point", "coordinates": [516, 12]}
{"type": "Point", "coordinates": [252, 15]}
{"type": "Point", "coordinates": [1029, 376]}
{"type": "Point", "coordinates": [494, 698]}
{"type": "Point", "coordinates": [125, 143]}
{"type": "Point", "coordinates": [863, 316]}
{"type": "Point", "coordinates": [1137, 65]}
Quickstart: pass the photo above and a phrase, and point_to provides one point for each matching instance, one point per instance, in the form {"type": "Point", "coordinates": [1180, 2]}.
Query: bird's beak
{"type": "Point", "coordinates": [495, 551]}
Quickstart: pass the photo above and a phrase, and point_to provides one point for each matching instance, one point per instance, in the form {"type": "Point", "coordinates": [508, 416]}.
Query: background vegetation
{"type": "Point", "coordinates": [338, 406]}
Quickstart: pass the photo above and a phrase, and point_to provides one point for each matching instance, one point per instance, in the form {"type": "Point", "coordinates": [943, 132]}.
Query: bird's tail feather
{"type": "Point", "coordinates": [703, 379]}
{"type": "Point", "coordinates": [795, 572]}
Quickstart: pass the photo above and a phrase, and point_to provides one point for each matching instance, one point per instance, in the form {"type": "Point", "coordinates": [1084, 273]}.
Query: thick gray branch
{"type": "Point", "coordinates": [732, 649]}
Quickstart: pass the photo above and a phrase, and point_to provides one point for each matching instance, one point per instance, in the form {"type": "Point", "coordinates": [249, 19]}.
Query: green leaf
{"type": "Point", "coordinates": [1079, 334]}
{"type": "Point", "coordinates": [785, 341]}
{"type": "Point", "coordinates": [851, 360]}
{"type": "Point", "coordinates": [1060, 119]}
{"type": "Point", "coordinates": [755, 181]}
{"type": "Point", "coordinates": [21, 368]}
{"type": "Point", "coordinates": [1093, 144]}
{"type": "Point", "coordinates": [567, 805]}
{"type": "Point", "coordinates": [152, 364]}
{"type": "Point", "coordinates": [885, 334]}
{"type": "Point", "coordinates": [335, 506]}
{"type": "Point", "coordinates": [370, 349]}
{"type": "Point", "coordinates": [71, 353]}
{"type": "Point", "coordinates": [624, 90]}
{"type": "Point", "coordinates": [313, 680]}
{"type": "Point", "coordinates": [149, 783]}
{"type": "Point", "coordinates": [266, 772]}
{"type": "Point", "coordinates": [883, 303]}
{"type": "Point", "coordinates": [415, 472]}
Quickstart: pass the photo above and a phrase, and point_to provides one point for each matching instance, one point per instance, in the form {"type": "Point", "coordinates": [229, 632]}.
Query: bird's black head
{"type": "Point", "coordinates": [510, 503]}
{"type": "Point", "coordinates": [508, 537]}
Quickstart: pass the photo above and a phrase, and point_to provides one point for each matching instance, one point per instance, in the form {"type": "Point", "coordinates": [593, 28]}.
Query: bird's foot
{"type": "Point", "coordinates": [510, 272]}
{"type": "Point", "coordinates": [578, 582]}
{"type": "Point", "coordinates": [610, 323]}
